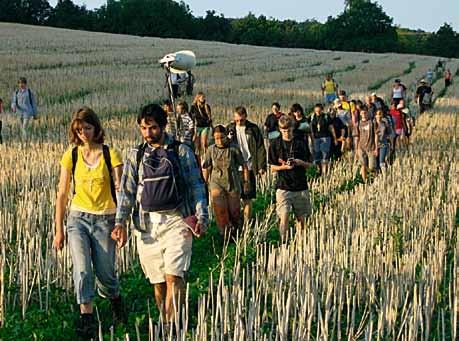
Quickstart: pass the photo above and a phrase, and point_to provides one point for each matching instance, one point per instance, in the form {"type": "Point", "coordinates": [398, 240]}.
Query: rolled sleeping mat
{"type": "Point", "coordinates": [184, 61]}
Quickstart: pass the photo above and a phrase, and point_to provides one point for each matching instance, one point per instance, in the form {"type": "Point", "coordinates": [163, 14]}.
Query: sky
{"type": "Point", "coordinates": [427, 15]}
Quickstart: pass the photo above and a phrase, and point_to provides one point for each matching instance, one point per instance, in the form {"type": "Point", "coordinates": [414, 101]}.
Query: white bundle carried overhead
{"type": "Point", "coordinates": [179, 62]}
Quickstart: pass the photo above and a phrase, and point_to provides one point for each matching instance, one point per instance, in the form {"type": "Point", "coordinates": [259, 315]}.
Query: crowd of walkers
{"type": "Point", "coordinates": [185, 162]}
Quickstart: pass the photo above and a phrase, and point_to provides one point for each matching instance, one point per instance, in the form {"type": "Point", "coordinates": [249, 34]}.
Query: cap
{"type": "Point", "coordinates": [373, 94]}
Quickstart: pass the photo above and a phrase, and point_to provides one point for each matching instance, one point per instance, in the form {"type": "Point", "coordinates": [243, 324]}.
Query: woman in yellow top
{"type": "Point", "coordinates": [96, 172]}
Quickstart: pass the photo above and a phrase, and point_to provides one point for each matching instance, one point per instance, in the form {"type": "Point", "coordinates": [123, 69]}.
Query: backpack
{"type": "Point", "coordinates": [108, 162]}
{"type": "Point", "coordinates": [160, 178]}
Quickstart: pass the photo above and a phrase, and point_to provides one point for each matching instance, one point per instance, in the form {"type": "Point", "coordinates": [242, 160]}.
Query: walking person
{"type": "Point", "coordinates": [24, 103]}
{"type": "Point", "coordinates": [398, 92]}
{"type": "Point", "coordinates": [202, 115]}
{"type": "Point", "coordinates": [163, 190]}
{"type": "Point", "coordinates": [336, 150]}
{"type": "Point", "coordinates": [272, 122]}
{"type": "Point", "coordinates": [323, 133]}
{"type": "Point", "coordinates": [173, 123]}
{"type": "Point", "coordinates": [248, 137]}
{"type": "Point", "coordinates": [424, 95]}
{"type": "Point", "coordinates": [190, 83]}
{"type": "Point", "coordinates": [95, 170]}
{"type": "Point", "coordinates": [448, 78]}
{"type": "Point", "coordinates": [221, 172]}
{"type": "Point", "coordinates": [186, 131]}
{"type": "Point", "coordinates": [329, 89]}
{"type": "Point", "coordinates": [383, 140]}
{"type": "Point", "coordinates": [301, 124]}
{"type": "Point", "coordinates": [289, 157]}
{"type": "Point", "coordinates": [366, 144]}
{"type": "Point", "coordinates": [399, 125]}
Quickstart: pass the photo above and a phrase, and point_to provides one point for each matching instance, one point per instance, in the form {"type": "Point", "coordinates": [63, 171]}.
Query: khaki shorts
{"type": "Point", "coordinates": [299, 202]}
{"type": "Point", "coordinates": [165, 248]}
{"type": "Point", "coordinates": [367, 159]}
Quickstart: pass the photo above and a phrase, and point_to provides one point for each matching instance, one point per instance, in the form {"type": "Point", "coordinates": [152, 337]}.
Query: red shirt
{"type": "Point", "coordinates": [397, 117]}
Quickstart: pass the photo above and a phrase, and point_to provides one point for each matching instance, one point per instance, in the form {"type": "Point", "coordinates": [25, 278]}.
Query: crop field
{"type": "Point", "coordinates": [376, 261]}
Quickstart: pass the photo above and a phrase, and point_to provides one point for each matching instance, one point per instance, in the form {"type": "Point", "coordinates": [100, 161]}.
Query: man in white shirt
{"type": "Point", "coordinates": [249, 138]}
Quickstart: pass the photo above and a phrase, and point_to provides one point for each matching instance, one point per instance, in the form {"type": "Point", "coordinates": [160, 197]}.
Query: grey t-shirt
{"type": "Point", "coordinates": [225, 163]}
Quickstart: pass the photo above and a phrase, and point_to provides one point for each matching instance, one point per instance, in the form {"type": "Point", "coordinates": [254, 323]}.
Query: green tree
{"type": "Point", "coordinates": [66, 14]}
{"type": "Point", "coordinates": [444, 42]}
{"type": "Point", "coordinates": [363, 27]}
{"type": "Point", "coordinates": [213, 27]}
{"type": "Point", "coordinates": [34, 12]}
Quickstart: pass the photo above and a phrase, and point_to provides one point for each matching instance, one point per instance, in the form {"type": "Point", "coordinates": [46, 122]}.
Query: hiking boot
{"type": "Point", "coordinates": [118, 311]}
{"type": "Point", "coordinates": [86, 328]}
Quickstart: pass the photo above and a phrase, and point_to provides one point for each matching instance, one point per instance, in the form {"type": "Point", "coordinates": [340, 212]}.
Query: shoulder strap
{"type": "Point", "coordinates": [30, 97]}
{"type": "Point", "coordinates": [74, 161]}
{"type": "Point", "coordinates": [140, 151]}
{"type": "Point", "coordinates": [108, 162]}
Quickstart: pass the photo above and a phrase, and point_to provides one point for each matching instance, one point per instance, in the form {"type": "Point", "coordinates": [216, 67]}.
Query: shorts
{"type": "Point", "coordinates": [399, 132]}
{"type": "Point", "coordinates": [366, 159]}
{"type": "Point", "coordinates": [322, 147]}
{"type": "Point", "coordinates": [329, 98]}
{"type": "Point", "coordinates": [299, 202]}
{"type": "Point", "coordinates": [203, 130]}
{"type": "Point", "coordinates": [252, 194]}
{"type": "Point", "coordinates": [165, 247]}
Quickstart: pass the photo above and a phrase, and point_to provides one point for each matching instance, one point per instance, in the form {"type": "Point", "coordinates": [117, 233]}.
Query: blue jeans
{"type": "Point", "coordinates": [382, 155]}
{"type": "Point", "coordinates": [329, 98]}
{"type": "Point", "coordinates": [92, 247]}
{"type": "Point", "coordinates": [322, 149]}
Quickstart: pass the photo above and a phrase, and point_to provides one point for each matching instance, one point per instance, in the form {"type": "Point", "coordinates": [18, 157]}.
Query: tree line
{"type": "Point", "coordinates": [362, 26]}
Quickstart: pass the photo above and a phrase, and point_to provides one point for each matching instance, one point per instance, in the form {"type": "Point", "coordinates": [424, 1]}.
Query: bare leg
{"type": "Point", "coordinates": [220, 206]}
{"type": "Point", "coordinates": [234, 208]}
{"type": "Point", "coordinates": [363, 173]}
{"type": "Point", "coordinates": [301, 222]}
{"type": "Point", "coordinates": [247, 204]}
{"type": "Point", "coordinates": [283, 225]}
{"type": "Point", "coordinates": [160, 291]}
{"type": "Point", "coordinates": [86, 308]}
{"type": "Point", "coordinates": [204, 141]}
{"type": "Point", "coordinates": [174, 296]}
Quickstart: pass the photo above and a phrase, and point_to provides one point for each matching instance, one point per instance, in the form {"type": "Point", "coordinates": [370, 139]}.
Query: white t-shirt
{"type": "Point", "coordinates": [243, 145]}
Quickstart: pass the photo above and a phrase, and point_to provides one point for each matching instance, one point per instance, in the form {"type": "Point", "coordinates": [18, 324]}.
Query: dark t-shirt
{"type": "Point", "coordinates": [320, 125]}
{"type": "Point", "coordinates": [301, 128]}
{"type": "Point", "coordinates": [422, 90]}
{"type": "Point", "coordinates": [199, 114]}
{"type": "Point", "coordinates": [272, 122]}
{"type": "Point", "coordinates": [338, 125]}
{"type": "Point", "coordinates": [293, 180]}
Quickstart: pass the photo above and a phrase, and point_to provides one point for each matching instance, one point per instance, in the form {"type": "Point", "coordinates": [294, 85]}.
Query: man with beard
{"type": "Point", "coordinates": [163, 190]}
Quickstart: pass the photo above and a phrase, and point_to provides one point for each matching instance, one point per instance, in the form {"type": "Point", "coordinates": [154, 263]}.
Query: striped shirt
{"type": "Point", "coordinates": [186, 129]}
{"type": "Point", "coordinates": [194, 192]}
